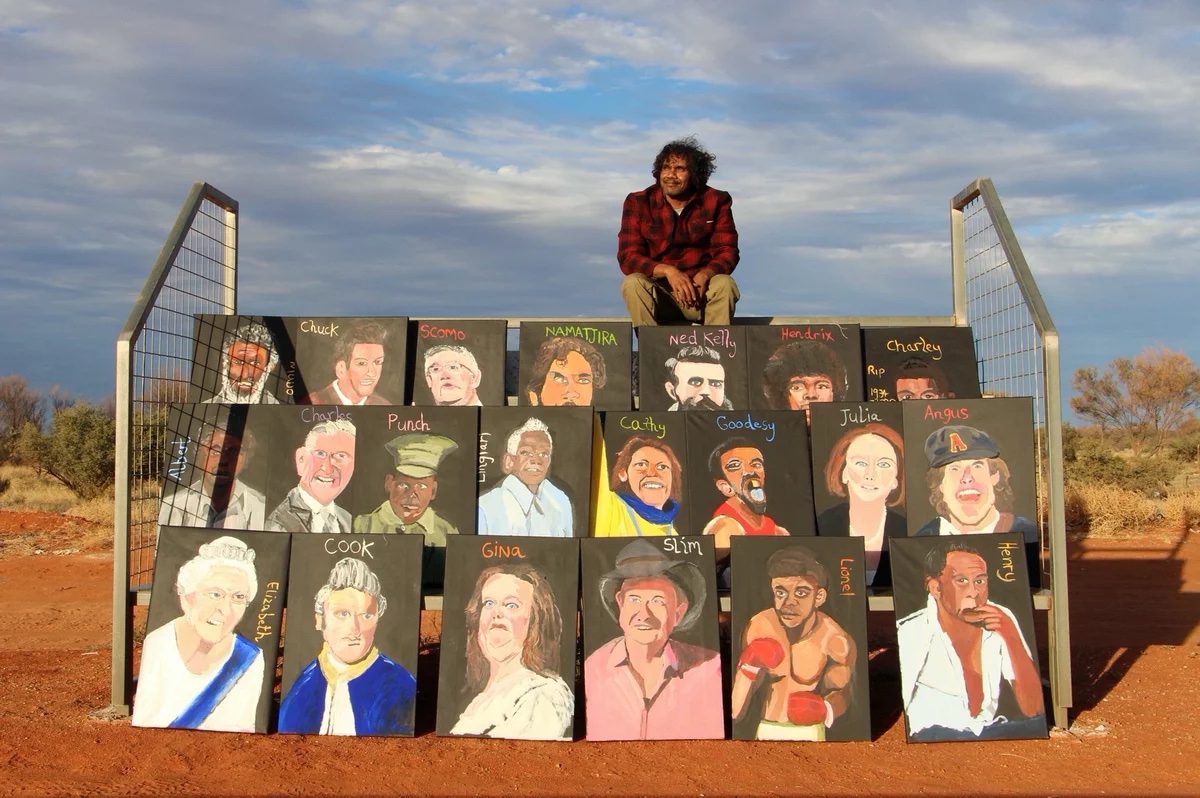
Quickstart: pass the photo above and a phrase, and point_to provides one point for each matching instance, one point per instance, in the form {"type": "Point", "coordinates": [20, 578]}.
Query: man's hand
{"type": "Point", "coordinates": [682, 287]}
{"type": "Point", "coordinates": [758, 654]}
{"type": "Point", "coordinates": [987, 616]}
{"type": "Point", "coordinates": [700, 280]}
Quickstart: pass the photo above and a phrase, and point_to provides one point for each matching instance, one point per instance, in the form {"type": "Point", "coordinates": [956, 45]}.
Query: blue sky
{"type": "Point", "coordinates": [470, 156]}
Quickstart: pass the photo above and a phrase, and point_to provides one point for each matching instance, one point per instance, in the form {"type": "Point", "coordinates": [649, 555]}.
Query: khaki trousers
{"type": "Point", "coordinates": [651, 302]}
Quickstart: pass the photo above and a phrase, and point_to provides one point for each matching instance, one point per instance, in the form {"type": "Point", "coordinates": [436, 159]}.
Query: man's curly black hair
{"type": "Point", "coordinates": [701, 163]}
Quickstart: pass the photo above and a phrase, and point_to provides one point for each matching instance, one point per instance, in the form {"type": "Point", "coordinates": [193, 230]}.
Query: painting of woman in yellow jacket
{"type": "Point", "coordinates": [643, 491]}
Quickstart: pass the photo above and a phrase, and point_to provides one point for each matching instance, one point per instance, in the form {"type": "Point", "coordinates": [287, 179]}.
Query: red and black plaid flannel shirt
{"type": "Point", "coordinates": [703, 235]}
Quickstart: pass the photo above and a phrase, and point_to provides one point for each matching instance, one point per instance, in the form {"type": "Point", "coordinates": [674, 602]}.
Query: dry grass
{"type": "Point", "coordinates": [49, 518]}
{"type": "Point", "coordinates": [1182, 510]}
{"type": "Point", "coordinates": [29, 492]}
{"type": "Point", "coordinates": [1108, 511]}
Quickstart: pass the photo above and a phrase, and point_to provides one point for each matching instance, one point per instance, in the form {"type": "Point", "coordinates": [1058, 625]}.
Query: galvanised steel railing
{"type": "Point", "coordinates": [196, 272]}
{"type": "Point", "coordinates": [1016, 345]}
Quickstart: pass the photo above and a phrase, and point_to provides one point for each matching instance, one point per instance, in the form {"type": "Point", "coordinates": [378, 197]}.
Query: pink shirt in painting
{"type": "Point", "coordinates": [688, 706]}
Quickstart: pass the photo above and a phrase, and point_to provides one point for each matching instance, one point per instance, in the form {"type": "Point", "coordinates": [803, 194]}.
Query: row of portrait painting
{"type": "Point", "coordinates": [569, 472]}
{"type": "Point", "coordinates": [357, 361]}
{"type": "Point", "coordinates": [653, 662]}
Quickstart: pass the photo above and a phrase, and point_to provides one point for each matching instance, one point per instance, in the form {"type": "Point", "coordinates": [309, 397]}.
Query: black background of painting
{"type": "Point", "coordinates": [675, 437]}
{"type": "Point", "coordinates": [1009, 422]}
{"type": "Point", "coordinates": [556, 558]}
{"type": "Point", "coordinates": [485, 338]}
{"type": "Point", "coordinates": [598, 556]}
{"type": "Point", "coordinates": [910, 594]}
{"type": "Point", "coordinates": [314, 354]}
{"type": "Point", "coordinates": [177, 545]}
{"type": "Point", "coordinates": [788, 471]}
{"type": "Point", "coordinates": [763, 340]}
{"type": "Point", "coordinates": [570, 462]}
{"type": "Point", "coordinates": [958, 358]}
{"type": "Point", "coordinates": [186, 424]}
{"type": "Point", "coordinates": [827, 429]}
{"type": "Point", "coordinates": [395, 559]}
{"type": "Point", "coordinates": [751, 594]}
{"type": "Point", "coordinates": [655, 348]}
{"type": "Point", "coordinates": [455, 500]}
{"type": "Point", "coordinates": [208, 347]}
{"type": "Point", "coordinates": [617, 393]}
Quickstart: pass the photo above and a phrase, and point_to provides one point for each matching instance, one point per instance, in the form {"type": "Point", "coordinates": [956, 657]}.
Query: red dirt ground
{"type": "Point", "coordinates": [1135, 604]}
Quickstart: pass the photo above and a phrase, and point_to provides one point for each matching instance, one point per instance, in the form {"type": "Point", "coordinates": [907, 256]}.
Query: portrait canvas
{"type": "Point", "coordinates": [652, 664]}
{"type": "Point", "coordinates": [575, 362]}
{"type": "Point", "coordinates": [859, 478]}
{"type": "Point", "coordinates": [418, 477]}
{"type": "Point", "coordinates": [692, 368]}
{"type": "Point", "coordinates": [971, 469]}
{"type": "Point", "coordinates": [920, 363]}
{"type": "Point", "coordinates": [749, 474]}
{"type": "Point", "coordinates": [799, 640]}
{"type": "Point", "coordinates": [964, 628]}
{"type": "Point", "coordinates": [241, 360]}
{"type": "Point", "coordinates": [794, 366]}
{"type": "Point", "coordinates": [208, 658]}
{"type": "Point", "coordinates": [535, 471]}
{"type": "Point", "coordinates": [350, 659]}
{"type": "Point", "coordinates": [209, 477]}
{"type": "Point", "coordinates": [640, 485]}
{"type": "Point", "coordinates": [348, 360]}
{"type": "Point", "coordinates": [507, 660]}
{"type": "Point", "coordinates": [458, 362]}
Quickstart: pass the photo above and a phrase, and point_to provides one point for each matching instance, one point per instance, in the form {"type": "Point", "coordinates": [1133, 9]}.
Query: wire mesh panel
{"type": "Point", "coordinates": [1017, 350]}
{"type": "Point", "coordinates": [196, 272]}
{"type": "Point", "coordinates": [196, 281]}
{"type": "Point", "coordinates": [1007, 342]}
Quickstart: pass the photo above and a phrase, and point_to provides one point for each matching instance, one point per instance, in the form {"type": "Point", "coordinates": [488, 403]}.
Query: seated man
{"type": "Point", "coordinates": [678, 244]}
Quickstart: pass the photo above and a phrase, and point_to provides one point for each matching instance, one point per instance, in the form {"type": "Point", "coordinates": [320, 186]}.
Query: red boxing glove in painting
{"type": "Point", "coordinates": [805, 708]}
{"type": "Point", "coordinates": [758, 654]}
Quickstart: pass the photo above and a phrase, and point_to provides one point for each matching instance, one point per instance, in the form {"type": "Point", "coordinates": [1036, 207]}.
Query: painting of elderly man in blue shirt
{"type": "Point", "coordinates": [214, 623]}
{"type": "Point", "coordinates": [534, 471]}
{"type": "Point", "coordinates": [365, 596]}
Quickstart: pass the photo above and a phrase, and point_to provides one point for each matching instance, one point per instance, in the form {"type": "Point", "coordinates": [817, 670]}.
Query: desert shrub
{"type": "Point", "coordinates": [1181, 510]}
{"type": "Point", "coordinates": [34, 490]}
{"type": "Point", "coordinates": [1097, 509]}
{"type": "Point", "coordinates": [78, 451]}
{"type": "Point", "coordinates": [1185, 447]}
{"type": "Point", "coordinates": [1087, 458]}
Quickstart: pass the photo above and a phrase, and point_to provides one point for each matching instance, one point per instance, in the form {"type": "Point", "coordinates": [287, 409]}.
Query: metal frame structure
{"type": "Point", "coordinates": [196, 272]}
{"type": "Point", "coordinates": [1016, 345]}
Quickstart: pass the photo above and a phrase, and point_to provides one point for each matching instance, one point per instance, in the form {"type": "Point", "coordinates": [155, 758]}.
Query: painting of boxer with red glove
{"type": "Point", "coordinates": [795, 654]}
